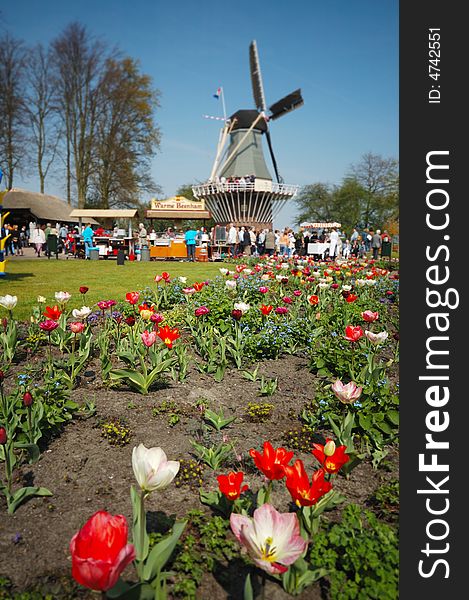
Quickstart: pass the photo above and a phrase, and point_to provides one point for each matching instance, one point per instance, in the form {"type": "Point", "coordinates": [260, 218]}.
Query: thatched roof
{"type": "Point", "coordinates": [111, 213]}
{"type": "Point", "coordinates": [43, 207]}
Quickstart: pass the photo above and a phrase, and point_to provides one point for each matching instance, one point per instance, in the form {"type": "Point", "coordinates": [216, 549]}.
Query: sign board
{"type": "Point", "coordinates": [178, 203]}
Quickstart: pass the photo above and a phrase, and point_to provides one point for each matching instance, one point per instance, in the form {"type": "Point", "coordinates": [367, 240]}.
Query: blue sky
{"type": "Point", "coordinates": [342, 54]}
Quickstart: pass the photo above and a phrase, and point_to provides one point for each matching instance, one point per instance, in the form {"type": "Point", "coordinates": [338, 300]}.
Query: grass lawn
{"type": "Point", "coordinates": [28, 279]}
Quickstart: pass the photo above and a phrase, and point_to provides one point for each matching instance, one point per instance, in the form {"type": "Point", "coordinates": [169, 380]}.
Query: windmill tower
{"type": "Point", "coordinates": [240, 188]}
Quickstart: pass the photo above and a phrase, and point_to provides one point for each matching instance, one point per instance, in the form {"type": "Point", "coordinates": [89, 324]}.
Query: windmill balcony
{"type": "Point", "coordinates": [282, 189]}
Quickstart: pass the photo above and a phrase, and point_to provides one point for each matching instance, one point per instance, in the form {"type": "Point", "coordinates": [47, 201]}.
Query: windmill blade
{"type": "Point", "coordinates": [271, 150]}
{"type": "Point", "coordinates": [256, 78]}
{"type": "Point", "coordinates": [286, 104]}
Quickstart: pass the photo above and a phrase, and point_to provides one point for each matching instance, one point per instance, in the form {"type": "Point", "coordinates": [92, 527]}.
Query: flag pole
{"type": "Point", "coordinates": [223, 102]}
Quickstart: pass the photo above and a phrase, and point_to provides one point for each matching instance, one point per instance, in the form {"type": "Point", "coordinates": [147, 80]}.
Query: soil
{"type": "Point", "coordinates": [86, 473]}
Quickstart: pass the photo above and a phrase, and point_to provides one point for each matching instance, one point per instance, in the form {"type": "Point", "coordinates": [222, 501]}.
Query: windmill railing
{"type": "Point", "coordinates": [280, 189]}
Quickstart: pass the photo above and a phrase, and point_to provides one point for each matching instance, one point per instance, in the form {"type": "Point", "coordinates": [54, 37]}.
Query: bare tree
{"type": "Point", "coordinates": [41, 112]}
{"type": "Point", "coordinates": [78, 64]}
{"type": "Point", "coordinates": [12, 107]}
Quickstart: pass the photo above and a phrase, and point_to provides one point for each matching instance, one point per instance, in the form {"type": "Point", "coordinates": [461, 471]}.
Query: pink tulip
{"type": "Point", "coordinates": [272, 539]}
{"type": "Point", "coordinates": [77, 327]}
{"type": "Point", "coordinates": [346, 393]}
{"type": "Point", "coordinates": [48, 325]}
{"type": "Point", "coordinates": [369, 316]}
{"type": "Point", "coordinates": [148, 338]}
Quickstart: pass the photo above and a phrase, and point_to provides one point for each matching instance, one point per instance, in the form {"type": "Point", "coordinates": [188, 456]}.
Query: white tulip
{"type": "Point", "coordinates": [8, 302]}
{"type": "Point", "coordinates": [62, 297]}
{"type": "Point", "coordinates": [81, 313]}
{"type": "Point", "coordinates": [152, 470]}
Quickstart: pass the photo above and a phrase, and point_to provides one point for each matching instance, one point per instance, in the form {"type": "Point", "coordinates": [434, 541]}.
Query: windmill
{"type": "Point", "coordinates": [240, 188]}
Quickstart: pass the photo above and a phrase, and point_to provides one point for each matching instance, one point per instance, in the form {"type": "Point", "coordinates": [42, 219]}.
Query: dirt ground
{"type": "Point", "coordinates": [86, 473]}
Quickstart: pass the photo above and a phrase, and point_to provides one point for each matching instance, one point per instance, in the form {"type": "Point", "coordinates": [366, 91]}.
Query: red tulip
{"type": "Point", "coordinates": [83, 289]}
{"type": "Point", "coordinates": [201, 311]}
{"type": "Point", "coordinates": [353, 334]}
{"type": "Point", "coordinates": [132, 297]}
{"type": "Point", "coordinates": [351, 297]}
{"type": "Point", "coordinates": [156, 318]}
{"type": "Point", "coordinates": [272, 461]}
{"type": "Point", "coordinates": [27, 399]}
{"type": "Point", "coordinates": [301, 490]}
{"type": "Point", "coordinates": [3, 436]}
{"type": "Point", "coordinates": [198, 286]}
{"type": "Point", "coordinates": [168, 335]}
{"type": "Point", "coordinates": [100, 551]}
{"type": "Point", "coordinates": [236, 314]}
{"type": "Point", "coordinates": [130, 321]}
{"type": "Point", "coordinates": [230, 485]}
{"type": "Point", "coordinates": [48, 325]}
{"type": "Point", "coordinates": [313, 300]}
{"type": "Point", "coordinates": [265, 310]}
{"type": "Point", "coordinates": [332, 458]}
{"type": "Point", "coordinates": [53, 313]}
{"type": "Point", "coordinates": [2, 376]}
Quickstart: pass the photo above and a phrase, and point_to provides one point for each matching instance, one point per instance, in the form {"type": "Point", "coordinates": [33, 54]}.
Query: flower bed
{"type": "Point", "coordinates": [273, 392]}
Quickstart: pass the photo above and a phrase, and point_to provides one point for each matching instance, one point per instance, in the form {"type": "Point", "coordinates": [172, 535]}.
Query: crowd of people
{"type": "Point", "coordinates": [48, 240]}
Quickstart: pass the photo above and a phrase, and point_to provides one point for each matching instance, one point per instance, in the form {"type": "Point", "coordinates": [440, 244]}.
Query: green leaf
{"type": "Point", "coordinates": [364, 421]}
{"type": "Point", "coordinates": [141, 546]}
{"type": "Point", "coordinates": [161, 552]}
{"type": "Point", "coordinates": [23, 494]}
{"type": "Point", "coordinates": [393, 416]}
{"type": "Point", "coordinates": [32, 449]}
{"type": "Point", "coordinates": [248, 591]}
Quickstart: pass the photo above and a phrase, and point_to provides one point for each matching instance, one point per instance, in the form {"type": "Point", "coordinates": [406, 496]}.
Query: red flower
{"type": "Point", "coordinates": [272, 461]}
{"type": "Point", "coordinates": [369, 316]}
{"type": "Point", "coordinates": [3, 436]}
{"type": "Point", "coordinates": [146, 306]}
{"type": "Point", "coordinates": [52, 313]}
{"type": "Point", "coordinates": [132, 297]}
{"type": "Point", "coordinates": [332, 458]}
{"type": "Point", "coordinates": [301, 490]}
{"type": "Point", "coordinates": [201, 311]}
{"type": "Point", "coordinates": [27, 399]}
{"type": "Point", "coordinates": [2, 376]}
{"type": "Point", "coordinates": [351, 297]}
{"type": "Point", "coordinates": [353, 334]}
{"type": "Point", "coordinates": [265, 310]}
{"type": "Point", "coordinates": [168, 335]}
{"type": "Point", "coordinates": [48, 325]}
{"type": "Point", "coordinates": [77, 327]}
{"type": "Point", "coordinates": [83, 289]}
{"type": "Point", "coordinates": [287, 300]}
{"type": "Point", "coordinates": [100, 551]}
{"type": "Point", "coordinates": [230, 485]}
{"type": "Point", "coordinates": [198, 286]}
{"type": "Point", "coordinates": [165, 276]}
{"type": "Point", "coordinates": [236, 313]}
{"type": "Point", "coordinates": [313, 300]}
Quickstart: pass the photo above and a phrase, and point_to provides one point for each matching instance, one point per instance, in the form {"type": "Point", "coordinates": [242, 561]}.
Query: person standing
{"type": "Point", "coordinates": [52, 243]}
{"type": "Point", "coordinates": [63, 231]}
{"type": "Point", "coordinates": [190, 237]}
{"type": "Point", "coordinates": [376, 243]}
{"type": "Point", "coordinates": [269, 242]}
{"type": "Point", "coordinates": [142, 236]}
{"type": "Point", "coordinates": [22, 240]}
{"type": "Point", "coordinates": [232, 239]}
{"type": "Point", "coordinates": [333, 242]}
{"type": "Point", "coordinates": [354, 235]}
{"type": "Point", "coordinates": [38, 239]}
{"type": "Point", "coordinates": [88, 235]}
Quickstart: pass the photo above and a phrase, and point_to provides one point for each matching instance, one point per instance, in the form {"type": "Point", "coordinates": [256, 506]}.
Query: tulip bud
{"type": "Point", "coordinates": [27, 399]}
{"type": "Point", "coordinates": [2, 376]}
{"type": "Point", "coordinates": [3, 436]}
{"type": "Point", "coordinates": [329, 448]}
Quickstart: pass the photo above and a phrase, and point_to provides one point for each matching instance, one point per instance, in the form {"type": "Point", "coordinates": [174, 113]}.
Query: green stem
{"type": "Point", "coordinates": [8, 468]}
{"type": "Point", "coordinates": [30, 426]}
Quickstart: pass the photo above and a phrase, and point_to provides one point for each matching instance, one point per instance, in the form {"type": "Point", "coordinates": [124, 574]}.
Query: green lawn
{"type": "Point", "coordinates": [106, 280]}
